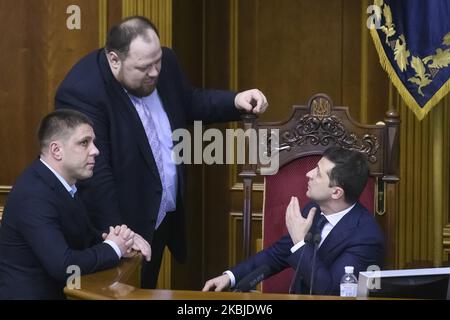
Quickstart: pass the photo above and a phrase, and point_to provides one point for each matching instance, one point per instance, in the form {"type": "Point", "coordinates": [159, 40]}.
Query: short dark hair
{"type": "Point", "coordinates": [120, 36]}
{"type": "Point", "coordinates": [350, 171]}
{"type": "Point", "coordinates": [59, 123]}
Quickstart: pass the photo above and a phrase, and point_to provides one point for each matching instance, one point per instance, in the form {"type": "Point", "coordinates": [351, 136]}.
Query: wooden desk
{"type": "Point", "coordinates": [122, 283]}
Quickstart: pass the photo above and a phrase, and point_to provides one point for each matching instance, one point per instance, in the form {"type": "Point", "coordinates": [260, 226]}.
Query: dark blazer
{"type": "Point", "coordinates": [43, 232]}
{"type": "Point", "coordinates": [126, 187]}
{"type": "Point", "coordinates": [355, 241]}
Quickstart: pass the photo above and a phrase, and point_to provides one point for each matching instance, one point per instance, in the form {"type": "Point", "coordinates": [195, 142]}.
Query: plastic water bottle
{"type": "Point", "coordinates": [349, 283]}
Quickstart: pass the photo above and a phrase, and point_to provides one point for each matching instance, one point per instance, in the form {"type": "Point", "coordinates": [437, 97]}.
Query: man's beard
{"type": "Point", "coordinates": [141, 91]}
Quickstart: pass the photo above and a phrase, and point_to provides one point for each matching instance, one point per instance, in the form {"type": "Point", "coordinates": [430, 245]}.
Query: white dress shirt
{"type": "Point", "coordinates": [332, 219]}
{"type": "Point", "coordinates": [164, 132]}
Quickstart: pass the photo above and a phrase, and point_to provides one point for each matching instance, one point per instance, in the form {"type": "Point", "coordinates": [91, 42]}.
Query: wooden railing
{"type": "Point", "coordinates": [122, 283]}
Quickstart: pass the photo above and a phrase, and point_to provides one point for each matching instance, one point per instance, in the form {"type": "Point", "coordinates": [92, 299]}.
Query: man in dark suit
{"type": "Point", "coordinates": [46, 235]}
{"type": "Point", "coordinates": [345, 232]}
{"type": "Point", "coordinates": [136, 95]}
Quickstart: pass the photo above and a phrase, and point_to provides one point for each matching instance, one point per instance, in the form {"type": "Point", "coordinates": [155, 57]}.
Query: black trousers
{"type": "Point", "coordinates": [150, 270]}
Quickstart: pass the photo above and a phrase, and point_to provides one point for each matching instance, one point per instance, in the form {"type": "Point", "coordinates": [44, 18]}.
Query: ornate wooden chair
{"type": "Point", "coordinates": [303, 138]}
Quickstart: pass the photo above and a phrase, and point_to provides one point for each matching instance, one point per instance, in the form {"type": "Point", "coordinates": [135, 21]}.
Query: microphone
{"type": "Point", "coordinates": [252, 279]}
{"type": "Point", "coordinates": [307, 240]}
{"type": "Point", "coordinates": [316, 240]}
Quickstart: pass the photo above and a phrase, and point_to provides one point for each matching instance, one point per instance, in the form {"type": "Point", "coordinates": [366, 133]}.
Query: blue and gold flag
{"type": "Point", "coordinates": [412, 38]}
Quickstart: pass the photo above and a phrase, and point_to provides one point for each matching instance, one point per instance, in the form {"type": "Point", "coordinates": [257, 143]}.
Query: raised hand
{"type": "Point", "coordinates": [298, 226]}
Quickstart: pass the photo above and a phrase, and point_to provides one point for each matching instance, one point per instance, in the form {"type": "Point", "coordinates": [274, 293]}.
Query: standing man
{"type": "Point", "coordinates": [136, 95]}
{"type": "Point", "coordinates": [345, 233]}
{"type": "Point", "coordinates": [46, 233]}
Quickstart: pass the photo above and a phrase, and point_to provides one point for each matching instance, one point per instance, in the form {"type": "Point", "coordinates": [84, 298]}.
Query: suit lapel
{"type": "Point", "coordinates": [176, 122]}
{"type": "Point", "coordinates": [71, 209]}
{"type": "Point", "coordinates": [77, 214]}
{"type": "Point", "coordinates": [165, 94]}
{"type": "Point", "coordinates": [92, 232]}
{"type": "Point", "coordinates": [346, 226]}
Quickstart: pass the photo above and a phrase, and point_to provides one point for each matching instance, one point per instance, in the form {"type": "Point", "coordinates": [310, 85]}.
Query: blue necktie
{"type": "Point", "coordinates": [321, 222]}
{"type": "Point", "coordinates": [316, 229]}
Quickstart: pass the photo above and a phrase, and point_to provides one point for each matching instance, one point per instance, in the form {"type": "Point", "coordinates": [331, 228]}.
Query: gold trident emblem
{"type": "Point", "coordinates": [320, 108]}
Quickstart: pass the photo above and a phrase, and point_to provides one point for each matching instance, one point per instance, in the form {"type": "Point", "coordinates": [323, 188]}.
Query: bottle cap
{"type": "Point", "coordinates": [349, 269]}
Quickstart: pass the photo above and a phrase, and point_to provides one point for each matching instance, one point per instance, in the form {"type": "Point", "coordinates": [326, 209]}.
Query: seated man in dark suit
{"type": "Point", "coordinates": [349, 234]}
{"type": "Point", "coordinates": [45, 233]}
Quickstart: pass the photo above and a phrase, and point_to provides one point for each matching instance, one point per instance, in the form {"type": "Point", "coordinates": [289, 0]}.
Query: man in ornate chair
{"type": "Point", "coordinates": [331, 232]}
{"type": "Point", "coordinates": [298, 143]}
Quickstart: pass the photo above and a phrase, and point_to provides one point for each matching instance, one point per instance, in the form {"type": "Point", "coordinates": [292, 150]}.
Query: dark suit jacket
{"type": "Point", "coordinates": [355, 241]}
{"type": "Point", "coordinates": [44, 231]}
{"type": "Point", "coordinates": [126, 187]}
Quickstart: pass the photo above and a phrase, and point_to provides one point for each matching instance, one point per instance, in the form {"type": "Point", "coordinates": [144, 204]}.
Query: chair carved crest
{"type": "Point", "coordinates": [313, 128]}
{"type": "Point", "coordinates": [322, 127]}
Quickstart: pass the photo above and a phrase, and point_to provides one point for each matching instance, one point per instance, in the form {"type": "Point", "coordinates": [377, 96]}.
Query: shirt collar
{"type": "Point", "coordinates": [336, 217]}
{"type": "Point", "coordinates": [71, 189]}
{"type": "Point", "coordinates": [135, 99]}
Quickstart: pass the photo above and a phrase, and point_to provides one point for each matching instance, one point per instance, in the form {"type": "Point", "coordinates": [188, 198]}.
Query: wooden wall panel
{"type": "Point", "coordinates": [280, 56]}
{"type": "Point", "coordinates": [216, 188]}
{"type": "Point", "coordinates": [188, 38]}
{"type": "Point", "coordinates": [188, 45]}
{"type": "Point", "coordinates": [114, 12]}
{"type": "Point", "coordinates": [236, 237]}
{"type": "Point", "coordinates": [158, 11]}
{"type": "Point", "coordinates": [66, 47]}
{"type": "Point", "coordinates": [36, 56]}
{"type": "Point", "coordinates": [352, 37]}
{"type": "Point", "coordinates": [23, 98]}
{"type": "Point", "coordinates": [423, 191]}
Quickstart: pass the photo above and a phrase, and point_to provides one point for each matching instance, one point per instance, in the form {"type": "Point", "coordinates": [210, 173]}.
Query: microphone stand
{"type": "Point", "coordinates": [316, 240]}
{"type": "Point", "coordinates": [307, 240]}
{"type": "Point", "coordinates": [252, 279]}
